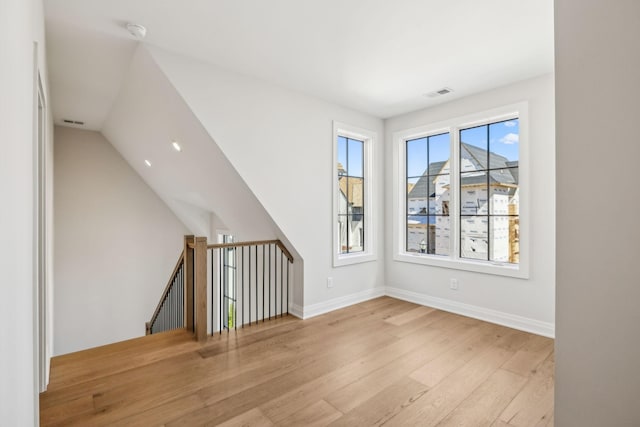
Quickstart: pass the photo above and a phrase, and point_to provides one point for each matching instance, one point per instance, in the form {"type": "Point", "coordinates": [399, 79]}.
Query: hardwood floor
{"type": "Point", "coordinates": [382, 362]}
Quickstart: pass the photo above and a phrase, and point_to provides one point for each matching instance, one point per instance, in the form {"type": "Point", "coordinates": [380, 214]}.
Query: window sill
{"type": "Point", "coordinates": [517, 271]}
{"type": "Point", "coordinates": [340, 260]}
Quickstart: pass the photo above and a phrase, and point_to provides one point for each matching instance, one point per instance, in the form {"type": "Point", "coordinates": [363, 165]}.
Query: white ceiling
{"type": "Point", "coordinates": [376, 56]}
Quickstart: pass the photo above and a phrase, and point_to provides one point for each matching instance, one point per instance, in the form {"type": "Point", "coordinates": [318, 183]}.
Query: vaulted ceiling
{"type": "Point", "coordinates": [376, 56]}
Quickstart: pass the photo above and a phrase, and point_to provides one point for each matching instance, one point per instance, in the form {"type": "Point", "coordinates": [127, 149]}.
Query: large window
{"type": "Point", "coordinates": [459, 202]}
{"type": "Point", "coordinates": [352, 193]}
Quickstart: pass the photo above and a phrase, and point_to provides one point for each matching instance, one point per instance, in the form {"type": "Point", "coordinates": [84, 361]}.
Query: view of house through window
{"type": "Point", "coordinates": [489, 197]}
{"type": "Point", "coordinates": [488, 210]}
{"type": "Point", "coordinates": [351, 194]}
{"type": "Point", "coordinates": [428, 194]}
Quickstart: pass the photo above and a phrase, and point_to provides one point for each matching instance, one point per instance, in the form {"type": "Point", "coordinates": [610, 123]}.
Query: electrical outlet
{"type": "Point", "coordinates": [329, 282]}
{"type": "Point", "coordinates": [453, 284]}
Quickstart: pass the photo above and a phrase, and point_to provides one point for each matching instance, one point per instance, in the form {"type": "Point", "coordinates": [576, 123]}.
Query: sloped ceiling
{"type": "Point", "coordinates": [147, 116]}
{"type": "Point", "coordinates": [376, 56]}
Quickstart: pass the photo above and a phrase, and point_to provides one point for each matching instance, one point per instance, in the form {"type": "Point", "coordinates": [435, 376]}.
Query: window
{"type": "Point", "coordinates": [461, 192]}
{"type": "Point", "coordinates": [352, 192]}
{"type": "Point", "coordinates": [427, 194]}
{"type": "Point", "coordinates": [228, 280]}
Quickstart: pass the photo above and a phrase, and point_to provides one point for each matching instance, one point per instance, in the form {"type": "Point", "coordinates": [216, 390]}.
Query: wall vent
{"type": "Point", "coordinates": [73, 122]}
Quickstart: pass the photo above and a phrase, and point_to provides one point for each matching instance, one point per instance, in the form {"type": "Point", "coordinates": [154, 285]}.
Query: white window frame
{"type": "Point", "coordinates": [453, 126]}
{"type": "Point", "coordinates": [369, 253]}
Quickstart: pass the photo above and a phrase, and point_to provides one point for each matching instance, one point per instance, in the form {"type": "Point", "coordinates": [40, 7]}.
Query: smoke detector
{"type": "Point", "coordinates": [136, 30]}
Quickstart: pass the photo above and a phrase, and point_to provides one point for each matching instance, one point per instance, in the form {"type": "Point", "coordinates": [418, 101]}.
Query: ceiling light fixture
{"type": "Point", "coordinates": [136, 30]}
{"type": "Point", "coordinates": [176, 146]}
{"type": "Point", "coordinates": [148, 163]}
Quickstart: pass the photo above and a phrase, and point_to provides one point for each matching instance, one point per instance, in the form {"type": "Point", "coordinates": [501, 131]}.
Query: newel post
{"type": "Point", "coordinates": [201, 288]}
{"type": "Point", "coordinates": [188, 283]}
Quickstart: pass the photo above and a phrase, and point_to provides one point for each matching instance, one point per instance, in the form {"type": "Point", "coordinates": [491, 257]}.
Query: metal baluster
{"type": "Point", "coordinates": [269, 281]}
{"type": "Point", "coordinates": [249, 285]}
{"type": "Point", "coordinates": [281, 277]}
{"type": "Point", "coordinates": [213, 293]}
{"type": "Point", "coordinates": [242, 281]}
{"type": "Point", "coordinates": [180, 300]}
{"type": "Point", "coordinates": [257, 301]}
{"type": "Point", "coordinates": [235, 288]}
{"type": "Point", "coordinates": [221, 291]}
{"type": "Point", "coordinates": [263, 283]}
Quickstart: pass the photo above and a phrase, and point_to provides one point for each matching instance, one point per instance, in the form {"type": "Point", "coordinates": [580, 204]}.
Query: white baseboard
{"type": "Point", "coordinates": [336, 303]}
{"type": "Point", "coordinates": [501, 318]}
{"type": "Point", "coordinates": [505, 319]}
{"type": "Point", "coordinates": [296, 311]}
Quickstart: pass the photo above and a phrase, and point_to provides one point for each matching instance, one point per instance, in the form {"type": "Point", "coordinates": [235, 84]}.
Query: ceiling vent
{"type": "Point", "coordinates": [440, 92]}
{"type": "Point", "coordinates": [73, 122]}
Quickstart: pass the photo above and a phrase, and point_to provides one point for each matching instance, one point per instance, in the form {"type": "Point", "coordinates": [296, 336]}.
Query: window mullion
{"type": "Point", "coordinates": [454, 195]}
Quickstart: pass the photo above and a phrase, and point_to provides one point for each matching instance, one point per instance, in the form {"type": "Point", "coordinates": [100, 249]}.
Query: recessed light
{"type": "Point", "coordinates": [176, 146]}
{"type": "Point", "coordinates": [148, 163]}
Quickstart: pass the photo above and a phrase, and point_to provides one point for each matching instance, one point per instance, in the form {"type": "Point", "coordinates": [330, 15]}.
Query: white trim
{"type": "Point", "coordinates": [336, 303]}
{"type": "Point", "coordinates": [40, 231]}
{"type": "Point", "coordinates": [369, 253]}
{"type": "Point", "coordinates": [509, 320]}
{"type": "Point", "coordinates": [514, 321]}
{"type": "Point", "coordinates": [452, 126]}
{"type": "Point", "coordinates": [296, 311]}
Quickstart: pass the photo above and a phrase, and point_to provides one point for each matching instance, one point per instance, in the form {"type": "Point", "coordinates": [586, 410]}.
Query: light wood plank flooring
{"type": "Point", "coordinates": [382, 362]}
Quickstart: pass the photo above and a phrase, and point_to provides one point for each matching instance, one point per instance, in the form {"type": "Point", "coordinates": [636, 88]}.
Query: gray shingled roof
{"type": "Point", "coordinates": [425, 185]}
{"type": "Point", "coordinates": [506, 175]}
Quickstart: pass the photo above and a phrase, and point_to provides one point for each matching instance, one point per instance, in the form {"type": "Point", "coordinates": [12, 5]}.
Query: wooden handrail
{"type": "Point", "coordinates": [167, 288]}
{"type": "Point", "coordinates": [284, 250]}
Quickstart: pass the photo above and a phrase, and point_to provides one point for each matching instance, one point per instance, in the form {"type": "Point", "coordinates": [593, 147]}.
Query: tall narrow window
{"type": "Point", "coordinates": [428, 194]}
{"type": "Point", "coordinates": [489, 196]}
{"type": "Point", "coordinates": [352, 194]}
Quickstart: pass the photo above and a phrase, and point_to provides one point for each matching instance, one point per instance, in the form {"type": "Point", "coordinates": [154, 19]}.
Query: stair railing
{"type": "Point", "coordinates": [175, 308]}
{"type": "Point", "coordinates": [170, 313]}
{"type": "Point", "coordinates": [250, 281]}
{"type": "Point", "coordinates": [251, 284]}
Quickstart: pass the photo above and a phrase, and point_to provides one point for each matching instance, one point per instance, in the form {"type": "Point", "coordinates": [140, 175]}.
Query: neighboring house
{"type": "Point", "coordinates": [351, 201]}
{"type": "Point", "coordinates": [428, 207]}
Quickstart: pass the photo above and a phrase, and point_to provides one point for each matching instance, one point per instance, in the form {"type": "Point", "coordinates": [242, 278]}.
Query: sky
{"type": "Point", "coordinates": [350, 156]}
{"type": "Point", "coordinates": [503, 139]}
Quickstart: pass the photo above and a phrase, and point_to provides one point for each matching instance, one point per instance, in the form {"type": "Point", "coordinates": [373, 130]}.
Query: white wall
{"type": "Point", "coordinates": [21, 23]}
{"type": "Point", "coordinates": [116, 244]}
{"type": "Point", "coordinates": [526, 304]}
{"type": "Point", "coordinates": [598, 290]}
{"type": "Point", "coordinates": [147, 115]}
{"type": "Point", "coordinates": [280, 142]}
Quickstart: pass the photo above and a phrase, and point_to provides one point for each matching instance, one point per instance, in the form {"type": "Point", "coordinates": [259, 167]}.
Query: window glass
{"type": "Point", "coordinates": [351, 195]}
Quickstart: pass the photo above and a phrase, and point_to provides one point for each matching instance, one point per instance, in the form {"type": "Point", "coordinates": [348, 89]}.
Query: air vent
{"type": "Point", "coordinates": [73, 122]}
{"type": "Point", "coordinates": [440, 92]}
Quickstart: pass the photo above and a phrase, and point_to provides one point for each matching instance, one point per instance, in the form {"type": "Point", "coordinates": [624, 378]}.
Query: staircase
{"type": "Point", "coordinates": [248, 282]}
